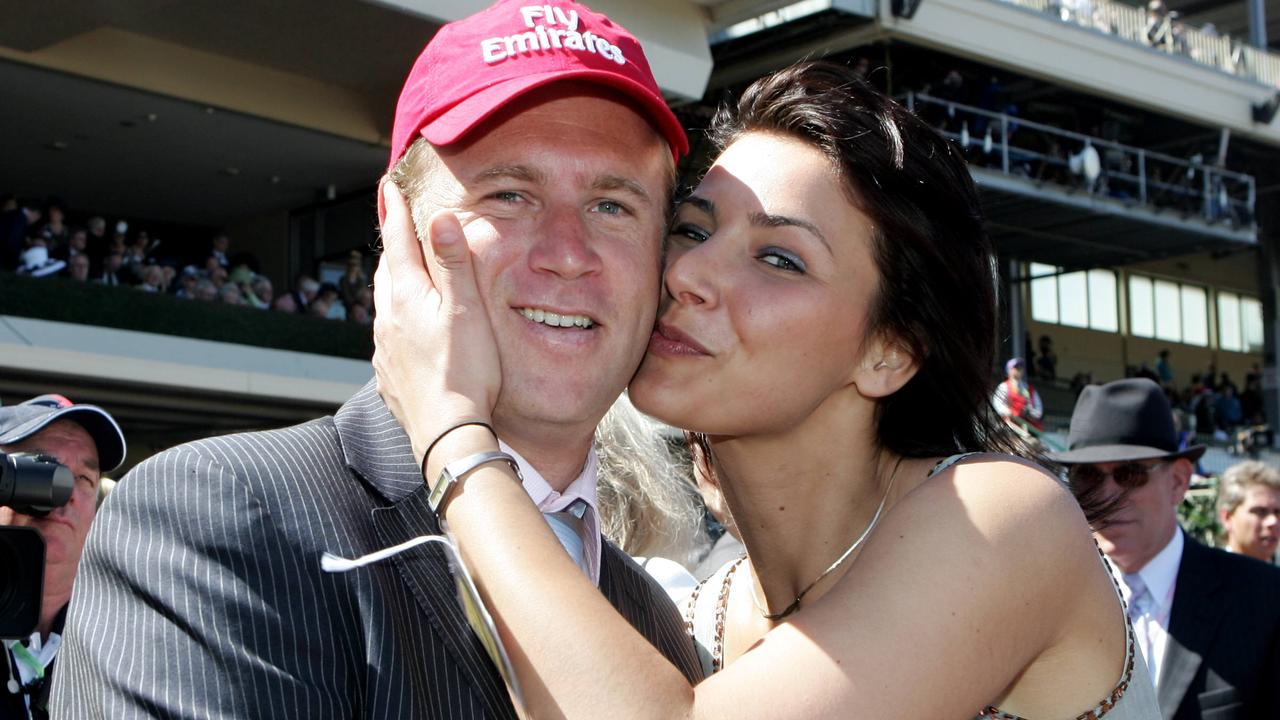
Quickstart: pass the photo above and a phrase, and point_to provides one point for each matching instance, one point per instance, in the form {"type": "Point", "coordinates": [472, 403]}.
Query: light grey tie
{"type": "Point", "coordinates": [1141, 605]}
{"type": "Point", "coordinates": [567, 525]}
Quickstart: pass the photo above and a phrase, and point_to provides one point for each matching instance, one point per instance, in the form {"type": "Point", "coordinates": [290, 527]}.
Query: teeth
{"type": "Point", "coordinates": [556, 319]}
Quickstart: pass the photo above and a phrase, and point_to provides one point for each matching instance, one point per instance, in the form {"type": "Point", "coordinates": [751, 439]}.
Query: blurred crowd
{"type": "Point", "coordinates": [41, 242]}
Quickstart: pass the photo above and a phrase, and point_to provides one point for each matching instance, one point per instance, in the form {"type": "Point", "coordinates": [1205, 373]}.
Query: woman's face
{"type": "Point", "coordinates": [768, 286]}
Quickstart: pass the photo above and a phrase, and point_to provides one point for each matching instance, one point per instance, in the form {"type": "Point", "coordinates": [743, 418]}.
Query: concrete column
{"type": "Point", "coordinates": [1258, 24]}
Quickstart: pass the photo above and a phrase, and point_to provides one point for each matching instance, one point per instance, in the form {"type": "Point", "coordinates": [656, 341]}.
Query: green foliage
{"type": "Point", "coordinates": [1199, 515]}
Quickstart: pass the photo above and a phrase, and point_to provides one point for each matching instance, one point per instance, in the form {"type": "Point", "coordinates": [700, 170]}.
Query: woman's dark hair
{"type": "Point", "coordinates": [937, 293]}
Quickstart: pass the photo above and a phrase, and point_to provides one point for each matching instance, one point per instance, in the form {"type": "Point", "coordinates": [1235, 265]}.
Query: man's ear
{"type": "Point", "coordinates": [1182, 471]}
{"type": "Point", "coordinates": [885, 367]}
{"type": "Point", "coordinates": [382, 204]}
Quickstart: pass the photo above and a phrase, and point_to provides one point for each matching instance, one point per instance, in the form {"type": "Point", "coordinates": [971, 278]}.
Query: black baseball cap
{"type": "Point", "coordinates": [19, 422]}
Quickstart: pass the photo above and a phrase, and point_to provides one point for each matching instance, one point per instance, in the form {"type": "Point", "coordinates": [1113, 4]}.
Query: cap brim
{"type": "Point", "coordinates": [1122, 453]}
{"type": "Point", "coordinates": [451, 125]}
{"type": "Point", "coordinates": [106, 434]}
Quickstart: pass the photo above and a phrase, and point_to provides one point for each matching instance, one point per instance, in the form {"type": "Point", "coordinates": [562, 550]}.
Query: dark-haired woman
{"type": "Point", "coordinates": [827, 329]}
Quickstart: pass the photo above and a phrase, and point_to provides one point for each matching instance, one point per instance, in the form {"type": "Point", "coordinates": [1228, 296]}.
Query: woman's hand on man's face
{"type": "Point", "coordinates": [435, 357]}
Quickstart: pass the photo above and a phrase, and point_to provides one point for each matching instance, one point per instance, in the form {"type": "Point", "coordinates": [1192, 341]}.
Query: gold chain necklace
{"type": "Point", "coordinates": [795, 604]}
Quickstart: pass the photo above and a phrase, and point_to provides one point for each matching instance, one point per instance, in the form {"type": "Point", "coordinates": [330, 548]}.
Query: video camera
{"type": "Point", "coordinates": [30, 485]}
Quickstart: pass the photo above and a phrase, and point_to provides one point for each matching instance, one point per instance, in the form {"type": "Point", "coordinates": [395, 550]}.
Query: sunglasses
{"type": "Point", "coordinates": [1130, 476]}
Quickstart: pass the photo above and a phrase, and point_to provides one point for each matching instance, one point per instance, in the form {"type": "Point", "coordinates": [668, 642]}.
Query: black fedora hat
{"type": "Point", "coordinates": [1121, 421]}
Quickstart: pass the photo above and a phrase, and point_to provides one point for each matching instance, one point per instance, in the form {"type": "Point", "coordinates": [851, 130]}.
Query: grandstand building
{"type": "Point", "coordinates": [1126, 156]}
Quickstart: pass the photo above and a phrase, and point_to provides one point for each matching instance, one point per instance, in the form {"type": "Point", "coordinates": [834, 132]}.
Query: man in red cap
{"type": "Point", "coordinates": [537, 135]}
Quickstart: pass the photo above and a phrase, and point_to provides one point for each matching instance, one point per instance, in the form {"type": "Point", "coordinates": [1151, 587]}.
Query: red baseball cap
{"type": "Point", "coordinates": [476, 65]}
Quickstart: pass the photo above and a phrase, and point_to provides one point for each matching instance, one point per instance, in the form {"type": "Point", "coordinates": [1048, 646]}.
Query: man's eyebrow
{"type": "Point", "coordinates": [617, 182]}
{"type": "Point", "coordinates": [767, 220]}
{"type": "Point", "coordinates": [510, 172]}
{"type": "Point", "coordinates": [91, 463]}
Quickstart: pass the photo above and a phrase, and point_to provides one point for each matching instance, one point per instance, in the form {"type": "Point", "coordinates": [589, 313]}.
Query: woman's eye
{"type": "Point", "coordinates": [692, 232]}
{"type": "Point", "coordinates": [782, 261]}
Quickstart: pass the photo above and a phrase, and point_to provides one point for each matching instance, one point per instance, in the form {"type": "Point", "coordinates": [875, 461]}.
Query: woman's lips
{"type": "Point", "coordinates": [669, 340]}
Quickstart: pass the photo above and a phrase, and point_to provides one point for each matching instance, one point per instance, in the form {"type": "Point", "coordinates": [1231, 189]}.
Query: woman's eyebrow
{"type": "Point", "coordinates": [761, 219]}
{"type": "Point", "coordinates": [699, 202]}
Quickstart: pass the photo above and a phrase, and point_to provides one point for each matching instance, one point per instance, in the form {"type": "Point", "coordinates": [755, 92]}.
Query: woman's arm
{"type": "Point", "coordinates": [960, 589]}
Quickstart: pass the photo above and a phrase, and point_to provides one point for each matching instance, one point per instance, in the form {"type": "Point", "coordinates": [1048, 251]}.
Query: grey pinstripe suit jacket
{"type": "Point", "coordinates": [200, 593]}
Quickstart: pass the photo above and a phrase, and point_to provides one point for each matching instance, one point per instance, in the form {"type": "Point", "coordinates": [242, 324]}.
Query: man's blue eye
{"type": "Point", "coordinates": [609, 207]}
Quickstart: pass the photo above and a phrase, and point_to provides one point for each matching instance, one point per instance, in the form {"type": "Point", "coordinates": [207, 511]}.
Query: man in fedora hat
{"type": "Point", "coordinates": [1207, 621]}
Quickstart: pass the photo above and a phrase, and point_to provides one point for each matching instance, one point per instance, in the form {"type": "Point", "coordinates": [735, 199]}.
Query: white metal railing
{"type": "Point", "coordinates": [1045, 154]}
{"type": "Point", "coordinates": [1164, 33]}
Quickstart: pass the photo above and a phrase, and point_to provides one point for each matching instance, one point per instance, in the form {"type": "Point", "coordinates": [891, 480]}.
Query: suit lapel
{"type": "Point", "coordinates": [378, 451]}
{"type": "Point", "coordinates": [1192, 625]}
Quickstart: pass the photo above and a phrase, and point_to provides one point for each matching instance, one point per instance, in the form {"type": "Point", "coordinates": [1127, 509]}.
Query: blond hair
{"type": "Point", "coordinates": [648, 503]}
{"type": "Point", "coordinates": [1238, 478]}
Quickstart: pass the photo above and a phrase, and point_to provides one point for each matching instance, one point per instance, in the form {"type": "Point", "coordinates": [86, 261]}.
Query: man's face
{"type": "Point", "coordinates": [1253, 528]}
{"type": "Point", "coordinates": [1147, 519]}
{"type": "Point", "coordinates": [64, 529]}
{"type": "Point", "coordinates": [563, 201]}
{"type": "Point", "coordinates": [80, 268]}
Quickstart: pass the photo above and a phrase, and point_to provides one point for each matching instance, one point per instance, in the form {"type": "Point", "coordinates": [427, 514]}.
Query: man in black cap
{"type": "Point", "coordinates": [1208, 622]}
{"type": "Point", "coordinates": [87, 440]}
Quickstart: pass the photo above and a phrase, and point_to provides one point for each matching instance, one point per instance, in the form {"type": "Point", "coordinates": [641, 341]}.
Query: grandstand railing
{"type": "Point", "coordinates": [1164, 33]}
{"type": "Point", "coordinates": [1083, 163]}
{"type": "Point", "coordinates": [63, 300]}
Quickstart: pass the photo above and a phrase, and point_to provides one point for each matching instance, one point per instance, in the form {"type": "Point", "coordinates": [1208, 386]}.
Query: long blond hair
{"type": "Point", "coordinates": [648, 503]}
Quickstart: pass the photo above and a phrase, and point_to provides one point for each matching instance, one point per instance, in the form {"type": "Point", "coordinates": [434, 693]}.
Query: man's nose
{"type": "Point", "coordinates": [564, 246]}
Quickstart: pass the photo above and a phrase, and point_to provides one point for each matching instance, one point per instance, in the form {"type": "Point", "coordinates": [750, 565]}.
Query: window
{"type": "Point", "coordinates": [1079, 299]}
{"type": "Point", "coordinates": [1167, 310]}
{"type": "Point", "coordinates": [1239, 323]}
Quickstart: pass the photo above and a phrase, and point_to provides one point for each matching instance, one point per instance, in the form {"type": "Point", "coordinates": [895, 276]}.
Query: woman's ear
{"type": "Point", "coordinates": [885, 367]}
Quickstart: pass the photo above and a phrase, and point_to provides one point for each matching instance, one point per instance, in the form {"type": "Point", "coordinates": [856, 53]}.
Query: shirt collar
{"type": "Point", "coordinates": [1161, 572]}
{"type": "Point", "coordinates": [583, 488]}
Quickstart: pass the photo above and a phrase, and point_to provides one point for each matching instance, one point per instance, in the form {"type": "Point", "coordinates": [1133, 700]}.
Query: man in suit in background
{"type": "Point", "coordinates": [1207, 621]}
{"type": "Point", "coordinates": [201, 593]}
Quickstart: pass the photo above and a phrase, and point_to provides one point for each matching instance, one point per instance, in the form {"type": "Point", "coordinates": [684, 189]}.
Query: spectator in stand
{"type": "Point", "coordinates": [359, 315]}
{"type": "Point", "coordinates": [152, 279]}
{"type": "Point", "coordinates": [55, 231]}
{"type": "Point", "coordinates": [78, 268]}
{"type": "Point", "coordinates": [305, 293]}
{"type": "Point", "coordinates": [218, 276]}
{"type": "Point", "coordinates": [77, 244]}
{"type": "Point", "coordinates": [98, 239]}
{"type": "Point", "coordinates": [319, 308]}
{"type": "Point", "coordinates": [206, 291]}
{"type": "Point", "coordinates": [353, 279]}
{"type": "Point", "coordinates": [1251, 398]}
{"type": "Point", "coordinates": [1211, 643]}
{"type": "Point", "coordinates": [37, 263]}
{"type": "Point", "coordinates": [1227, 411]}
{"type": "Point", "coordinates": [1249, 508]}
{"type": "Point", "coordinates": [219, 247]}
{"type": "Point", "coordinates": [187, 283]}
{"type": "Point", "coordinates": [1164, 370]}
{"type": "Point", "coordinates": [1047, 360]}
{"type": "Point", "coordinates": [261, 292]}
{"type": "Point", "coordinates": [330, 295]}
{"type": "Point", "coordinates": [230, 294]}
{"type": "Point", "coordinates": [111, 269]}
{"type": "Point", "coordinates": [285, 304]}
{"type": "Point", "coordinates": [1016, 401]}
{"type": "Point", "coordinates": [13, 231]}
